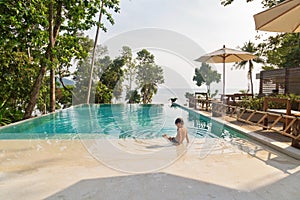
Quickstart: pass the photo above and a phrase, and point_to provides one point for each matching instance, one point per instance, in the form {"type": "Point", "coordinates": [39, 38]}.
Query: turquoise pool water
{"type": "Point", "coordinates": [117, 121]}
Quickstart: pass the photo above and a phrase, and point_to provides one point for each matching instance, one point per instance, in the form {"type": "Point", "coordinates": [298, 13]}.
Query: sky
{"type": "Point", "coordinates": [204, 23]}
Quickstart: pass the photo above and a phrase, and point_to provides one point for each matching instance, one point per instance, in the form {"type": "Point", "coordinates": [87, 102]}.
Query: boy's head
{"type": "Point", "coordinates": [179, 122]}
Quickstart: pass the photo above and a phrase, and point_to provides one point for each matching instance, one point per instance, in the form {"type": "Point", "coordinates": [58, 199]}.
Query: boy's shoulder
{"type": "Point", "coordinates": [183, 128]}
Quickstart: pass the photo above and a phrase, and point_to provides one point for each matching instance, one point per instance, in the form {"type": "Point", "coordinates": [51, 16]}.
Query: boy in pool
{"type": "Point", "coordinates": [182, 133]}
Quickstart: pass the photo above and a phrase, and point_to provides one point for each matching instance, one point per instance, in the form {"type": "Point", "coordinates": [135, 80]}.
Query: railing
{"type": "Point", "coordinates": [291, 127]}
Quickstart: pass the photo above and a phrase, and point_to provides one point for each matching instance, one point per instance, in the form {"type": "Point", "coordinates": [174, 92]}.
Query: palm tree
{"type": "Point", "coordinates": [249, 47]}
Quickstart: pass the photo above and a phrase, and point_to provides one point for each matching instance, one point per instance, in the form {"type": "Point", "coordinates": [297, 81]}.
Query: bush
{"type": "Point", "coordinates": [257, 103]}
{"type": "Point", "coordinates": [254, 104]}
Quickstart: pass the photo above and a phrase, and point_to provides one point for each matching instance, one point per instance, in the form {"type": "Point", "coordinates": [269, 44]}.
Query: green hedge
{"type": "Point", "coordinates": [257, 103]}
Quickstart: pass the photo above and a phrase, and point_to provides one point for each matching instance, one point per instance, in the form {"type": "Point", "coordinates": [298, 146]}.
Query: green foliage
{"type": "Point", "coordinates": [103, 93]}
{"type": "Point", "coordinates": [251, 48]}
{"type": "Point", "coordinates": [292, 97]}
{"type": "Point", "coordinates": [145, 57]}
{"type": "Point", "coordinates": [82, 74]}
{"type": "Point", "coordinates": [281, 51]}
{"type": "Point", "coordinates": [133, 97]}
{"type": "Point", "coordinates": [16, 75]}
{"type": "Point", "coordinates": [243, 91]}
{"type": "Point", "coordinates": [64, 96]}
{"type": "Point", "coordinates": [112, 77]}
{"type": "Point", "coordinates": [108, 73]}
{"type": "Point", "coordinates": [113, 73]}
{"type": "Point", "coordinates": [81, 77]}
{"type": "Point", "coordinates": [198, 77]}
{"type": "Point", "coordinates": [214, 94]}
{"type": "Point", "coordinates": [26, 27]}
{"type": "Point", "coordinates": [257, 103]}
{"type": "Point", "coordinates": [254, 104]}
{"type": "Point", "coordinates": [149, 75]}
{"type": "Point", "coordinates": [117, 91]}
{"type": "Point", "coordinates": [205, 74]}
{"type": "Point", "coordinates": [130, 70]}
{"type": "Point", "coordinates": [148, 90]}
{"type": "Point", "coordinates": [189, 95]}
{"type": "Point", "coordinates": [265, 3]}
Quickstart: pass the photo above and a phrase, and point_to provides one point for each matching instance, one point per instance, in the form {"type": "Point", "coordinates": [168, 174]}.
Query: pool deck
{"type": "Point", "coordinates": [207, 168]}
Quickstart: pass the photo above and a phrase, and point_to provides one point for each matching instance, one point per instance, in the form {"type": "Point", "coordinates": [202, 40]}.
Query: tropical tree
{"type": "Point", "coordinates": [112, 4]}
{"type": "Point", "coordinates": [65, 61]}
{"type": "Point", "coordinates": [149, 75]}
{"type": "Point", "coordinates": [281, 51]}
{"type": "Point", "coordinates": [249, 47]}
{"type": "Point", "coordinates": [40, 29]}
{"type": "Point", "coordinates": [64, 95]}
{"type": "Point", "coordinates": [198, 77]}
{"type": "Point", "coordinates": [265, 3]}
{"type": "Point", "coordinates": [103, 93]}
{"type": "Point", "coordinates": [205, 74]}
{"type": "Point", "coordinates": [112, 75]}
{"type": "Point", "coordinates": [81, 78]}
{"type": "Point", "coordinates": [130, 70]}
{"type": "Point", "coordinates": [16, 75]}
{"type": "Point", "coordinates": [118, 90]}
{"type": "Point", "coordinates": [82, 75]}
{"type": "Point", "coordinates": [110, 80]}
{"type": "Point", "coordinates": [133, 97]}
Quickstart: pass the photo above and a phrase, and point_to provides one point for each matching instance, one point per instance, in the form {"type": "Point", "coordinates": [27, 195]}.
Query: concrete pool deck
{"type": "Point", "coordinates": [205, 169]}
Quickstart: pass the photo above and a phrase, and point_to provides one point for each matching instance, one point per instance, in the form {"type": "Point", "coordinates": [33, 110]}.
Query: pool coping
{"type": "Point", "coordinates": [39, 116]}
{"type": "Point", "coordinates": [279, 146]}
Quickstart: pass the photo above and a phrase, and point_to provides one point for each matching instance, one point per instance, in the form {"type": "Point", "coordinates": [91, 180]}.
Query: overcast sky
{"type": "Point", "coordinates": [206, 22]}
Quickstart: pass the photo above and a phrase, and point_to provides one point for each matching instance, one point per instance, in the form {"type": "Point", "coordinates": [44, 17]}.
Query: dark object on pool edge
{"type": "Point", "coordinates": [173, 99]}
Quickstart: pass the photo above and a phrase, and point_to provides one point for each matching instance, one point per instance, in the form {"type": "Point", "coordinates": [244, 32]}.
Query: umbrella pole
{"type": "Point", "coordinates": [224, 75]}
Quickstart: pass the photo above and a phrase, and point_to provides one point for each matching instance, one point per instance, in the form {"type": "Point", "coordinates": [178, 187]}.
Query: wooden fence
{"type": "Point", "coordinates": [264, 119]}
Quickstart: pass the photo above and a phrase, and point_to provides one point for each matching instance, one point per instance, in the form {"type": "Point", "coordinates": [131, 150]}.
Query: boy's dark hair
{"type": "Point", "coordinates": [179, 121]}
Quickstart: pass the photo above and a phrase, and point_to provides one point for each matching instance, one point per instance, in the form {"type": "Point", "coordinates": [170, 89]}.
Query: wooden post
{"type": "Point", "coordinates": [265, 108]}
{"type": "Point", "coordinates": [261, 83]}
{"type": "Point", "coordinates": [296, 132]}
{"type": "Point", "coordinates": [288, 112]}
{"type": "Point", "coordinates": [286, 86]}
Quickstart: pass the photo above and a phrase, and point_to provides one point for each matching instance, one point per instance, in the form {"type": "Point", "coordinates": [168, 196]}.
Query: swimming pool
{"type": "Point", "coordinates": [115, 121]}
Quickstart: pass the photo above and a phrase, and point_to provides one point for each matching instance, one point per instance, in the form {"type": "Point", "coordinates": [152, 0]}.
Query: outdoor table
{"type": "Point", "coordinates": [225, 98]}
{"type": "Point", "coordinates": [203, 101]}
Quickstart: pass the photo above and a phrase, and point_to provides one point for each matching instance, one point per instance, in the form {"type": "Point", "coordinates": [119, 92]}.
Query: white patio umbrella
{"type": "Point", "coordinates": [225, 55]}
{"type": "Point", "coordinates": [285, 17]}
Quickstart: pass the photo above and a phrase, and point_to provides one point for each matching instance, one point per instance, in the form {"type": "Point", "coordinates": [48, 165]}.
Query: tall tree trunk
{"type": "Point", "coordinates": [52, 90]}
{"type": "Point", "coordinates": [251, 83]}
{"type": "Point", "coordinates": [35, 93]}
{"type": "Point", "coordinates": [250, 77]}
{"type": "Point", "coordinates": [39, 80]}
{"type": "Point", "coordinates": [93, 55]}
{"type": "Point", "coordinates": [130, 81]}
{"type": "Point", "coordinates": [52, 70]}
{"type": "Point", "coordinates": [208, 90]}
